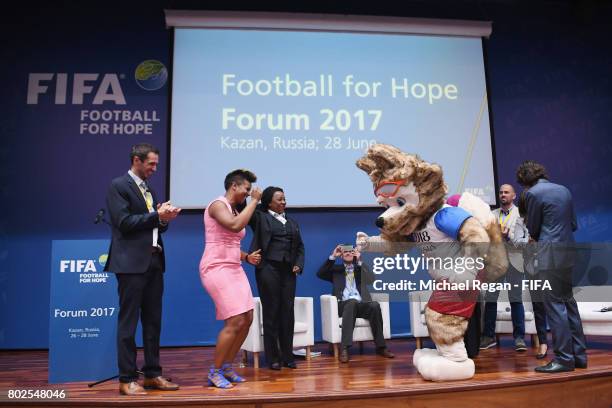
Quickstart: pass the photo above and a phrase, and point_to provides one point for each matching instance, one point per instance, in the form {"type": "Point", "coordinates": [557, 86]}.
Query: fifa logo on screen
{"type": "Point", "coordinates": [105, 88]}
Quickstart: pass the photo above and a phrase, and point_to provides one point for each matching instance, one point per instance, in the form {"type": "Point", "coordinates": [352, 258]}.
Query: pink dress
{"type": "Point", "coordinates": [220, 268]}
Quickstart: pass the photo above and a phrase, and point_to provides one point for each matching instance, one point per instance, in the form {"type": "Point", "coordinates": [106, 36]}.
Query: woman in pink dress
{"type": "Point", "coordinates": [222, 274]}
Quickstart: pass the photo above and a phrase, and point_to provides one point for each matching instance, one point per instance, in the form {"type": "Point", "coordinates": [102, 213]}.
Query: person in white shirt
{"type": "Point", "coordinates": [278, 238]}
{"type": "Point", "coordinates": [137, 257]}
{"type": "Point", "coordinates": [350, 280]}
{"type": "Point", "coordinates": [507, 216]}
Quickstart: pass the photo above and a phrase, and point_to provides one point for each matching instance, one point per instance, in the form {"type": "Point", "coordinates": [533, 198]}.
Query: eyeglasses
{"type": "Point", "coordinates": [388, 188]}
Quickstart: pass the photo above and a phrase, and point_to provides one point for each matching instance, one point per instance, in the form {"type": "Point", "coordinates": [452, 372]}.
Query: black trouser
{"type": "Point", "coordinates": [140, 295]}
{"type": "Point", "coordinates": [517, 309]}
{"type": "Point", "coordinates": [350, 310]}
{"type": "Point", "coordinates": [276, 285]}
{"type": "Point", "coordinates": [472, 333]}
{"type": "Point", "coordinates": [569, 342]}
{"type": "Point", "coordinates": [539, 311]}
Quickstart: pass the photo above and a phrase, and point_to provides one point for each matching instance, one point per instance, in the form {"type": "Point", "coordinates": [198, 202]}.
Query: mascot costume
{"type": "Point", "coordinates": [413, 192]}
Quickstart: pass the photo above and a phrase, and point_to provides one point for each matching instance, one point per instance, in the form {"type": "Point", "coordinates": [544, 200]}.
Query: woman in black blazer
{"type": "Point", "coordinates": [282, 259]}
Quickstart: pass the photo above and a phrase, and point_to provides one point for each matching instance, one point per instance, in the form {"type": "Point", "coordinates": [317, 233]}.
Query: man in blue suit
{"type": "Point", "coordinates": [551, 222]}
{"type": "Point", "coordinates": [136, 256]}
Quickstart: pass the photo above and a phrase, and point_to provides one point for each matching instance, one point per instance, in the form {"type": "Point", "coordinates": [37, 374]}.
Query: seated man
{"type": "Point", "coordinates": [354, 300]}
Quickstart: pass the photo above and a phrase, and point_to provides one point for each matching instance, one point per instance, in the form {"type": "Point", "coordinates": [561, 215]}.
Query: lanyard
{"type": "Point", "coordinates": [350, 277]}
{"type": "Point", "coordinates": [505, 220]}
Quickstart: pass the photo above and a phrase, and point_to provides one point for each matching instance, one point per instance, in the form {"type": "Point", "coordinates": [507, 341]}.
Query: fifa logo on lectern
{"type": "Point", "coordinates": [77, 265]}
{"type": "Point", "coordinates": [82, 265]}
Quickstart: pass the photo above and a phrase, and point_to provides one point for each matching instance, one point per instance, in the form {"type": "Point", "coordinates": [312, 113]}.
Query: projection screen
{"type": "Point", "coordinates": [297, 99]}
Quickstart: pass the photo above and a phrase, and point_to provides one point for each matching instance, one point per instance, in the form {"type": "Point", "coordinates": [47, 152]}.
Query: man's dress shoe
{"type": "Point", "coordinates": [160, 383]}
{"type": "Point", "coordinates": [344, 355]}
{"type": "Point", "coordinates": [291, 364]}
{"type": "Point", "coordinates": [275, 366]}
{"type": "Point", "coordinates": [383, 351]}
{"type": "Point", "coordinates": [131, 388]}
{"type": "Point", "coordinates": [580, 364]}
{"type": "Point", "coordinates": [553, 367]}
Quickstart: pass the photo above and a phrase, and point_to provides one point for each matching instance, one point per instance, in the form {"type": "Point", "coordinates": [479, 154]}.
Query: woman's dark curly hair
{"type": "Point", "coordinates": [266, 197]}
{"type": "Point", "coordinates": [529, 172]}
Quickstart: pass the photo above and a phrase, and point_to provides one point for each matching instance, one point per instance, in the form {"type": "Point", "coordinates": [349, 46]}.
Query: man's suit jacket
{"type": "Point", "coordinates": [132, 227]}
{"type": "Point", "coordinates": [335, 274]}
{"type": "Point", "coordinates": [262, 234]}
{"type": "Point", "coordinates": [551, 221]}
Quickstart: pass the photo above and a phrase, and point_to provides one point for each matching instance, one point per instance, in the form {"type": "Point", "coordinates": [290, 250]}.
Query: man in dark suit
{"type": "Point", "coordinates": [349, 282]}
{"type": "Point", "coordinates": [136, 256]}
{"type": "Point", "coordinates": [551, 222]}
{"type": "Point", "coordinates": [278, 239]}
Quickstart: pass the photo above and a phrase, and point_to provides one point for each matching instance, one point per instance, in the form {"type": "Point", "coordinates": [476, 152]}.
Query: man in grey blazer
{"type": "Point", "coordinates": [551, 222]}
{"type": "Point", "coordinates": [507, 215]}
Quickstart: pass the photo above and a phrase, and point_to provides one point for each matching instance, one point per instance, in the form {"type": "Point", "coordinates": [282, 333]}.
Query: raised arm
{"type": "Point", "coordinates": [326, 270]}
{"type": "Point", "coordinates": [219, 211]}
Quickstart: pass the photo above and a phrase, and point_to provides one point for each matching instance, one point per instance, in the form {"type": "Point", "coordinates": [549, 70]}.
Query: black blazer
{"type": "Point", "coordinates": [132, 227]}
{"type": "Point", "coordinates": [335, 274]}
{"type": "Point", "coordinates": [262, 234]}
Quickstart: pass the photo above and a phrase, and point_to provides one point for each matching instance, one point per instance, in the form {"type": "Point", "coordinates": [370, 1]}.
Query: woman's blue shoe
{"type": "Point", "coordinates": [230, 374]}
{"type": "Point", "coordinates": [216, 378]}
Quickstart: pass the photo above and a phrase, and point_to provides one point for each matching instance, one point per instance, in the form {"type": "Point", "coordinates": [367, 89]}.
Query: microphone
{"type": "Point", "coordinates": [99, 216]}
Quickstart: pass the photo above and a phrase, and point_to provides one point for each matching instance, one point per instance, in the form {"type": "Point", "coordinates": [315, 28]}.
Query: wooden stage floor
{"type": "Point", "coordinates": [504, 378]}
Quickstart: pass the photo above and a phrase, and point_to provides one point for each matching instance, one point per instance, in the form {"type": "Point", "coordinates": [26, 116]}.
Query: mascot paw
{"type": "Point", "coordinates": [361, 241]}
{"type": "Point", "coordinates": [478, 208]}
{"type": "Point", "coordinates": [422, 354]}
{"type": "Point", "coordinates": [438, 368]}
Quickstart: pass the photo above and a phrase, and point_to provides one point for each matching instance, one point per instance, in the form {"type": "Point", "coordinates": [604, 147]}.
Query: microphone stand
{"type": "Point", "coordinates": [100, 217]}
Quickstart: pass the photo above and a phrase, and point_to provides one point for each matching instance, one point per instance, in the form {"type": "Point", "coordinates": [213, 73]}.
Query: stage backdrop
{"type": "Point", "coordinates": [84, 83]}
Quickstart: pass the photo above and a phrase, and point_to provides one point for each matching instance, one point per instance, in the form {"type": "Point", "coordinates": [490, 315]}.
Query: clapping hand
{"type": "Point", "coordinates": [167, 212]}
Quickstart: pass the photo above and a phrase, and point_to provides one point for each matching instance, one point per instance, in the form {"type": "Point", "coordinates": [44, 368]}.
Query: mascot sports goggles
{"type": "Point", "coordinates": [388, 188]}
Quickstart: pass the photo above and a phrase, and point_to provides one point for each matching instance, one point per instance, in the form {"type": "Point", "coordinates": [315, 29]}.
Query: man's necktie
{"type": "Point", "coordinates": [147, 196]}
